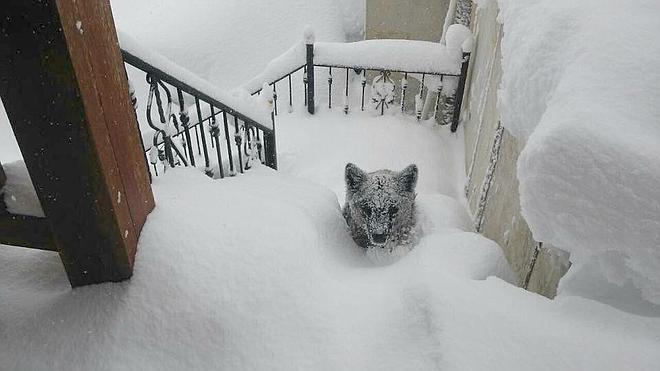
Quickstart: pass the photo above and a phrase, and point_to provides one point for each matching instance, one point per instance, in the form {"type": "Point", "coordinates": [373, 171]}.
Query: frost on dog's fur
{"type": "Point", "coordinates": [380, 206]}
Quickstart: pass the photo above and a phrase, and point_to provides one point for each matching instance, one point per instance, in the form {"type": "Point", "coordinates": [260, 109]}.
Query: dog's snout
{"type": "Point", "coordinates": [379, 237]}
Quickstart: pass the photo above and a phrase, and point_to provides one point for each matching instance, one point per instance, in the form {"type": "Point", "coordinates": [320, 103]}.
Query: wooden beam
{"type": "Point", "coordinates": [64, 87]}
{"type": "Point", "coordinates": [26, 231]}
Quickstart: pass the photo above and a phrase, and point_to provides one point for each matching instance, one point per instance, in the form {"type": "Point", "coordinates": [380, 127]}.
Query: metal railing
{"type": "Point", "coordinates": [386, 91]}
{"type": "Point", "coordinates": [179, 140]}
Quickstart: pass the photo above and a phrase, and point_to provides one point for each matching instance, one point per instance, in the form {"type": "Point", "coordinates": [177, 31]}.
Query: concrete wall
{"type": "Point", "coordinates": [491, 157]}
{"type": "Point", "coordinates": [405, 19]}
{"type": "Point", "coordinates": [409, 20]}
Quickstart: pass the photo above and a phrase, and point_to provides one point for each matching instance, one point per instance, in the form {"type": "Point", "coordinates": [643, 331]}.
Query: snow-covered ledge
{"type": "Point", "coordinates": [581, 94]}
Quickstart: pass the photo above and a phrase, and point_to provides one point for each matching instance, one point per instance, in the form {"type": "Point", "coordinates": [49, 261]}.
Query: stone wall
{"type": "Point", "coordinates": [491, 155]}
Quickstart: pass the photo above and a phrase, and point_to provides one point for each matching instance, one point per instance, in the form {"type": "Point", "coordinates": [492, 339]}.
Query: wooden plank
{"type": "Point", "coordinates": [92, 39]}
{"type": "Point", "coordinates": [66, 98]}
{"type": "Point", "coordinates": [26, 231]}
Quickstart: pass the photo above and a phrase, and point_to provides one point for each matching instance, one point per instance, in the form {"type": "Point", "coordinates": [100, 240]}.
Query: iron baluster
{"type": "Point", "coordinates": [165, 155]}
{"type": "Point", "coordinates": [346, 94]}
{"type": "Point", "coordinates": [270, 145]}
{"type": "Point", "coordinates": [419, 102]}
{"type": "Point", "coordinates": [275, 97]}
{"type": "Point", "coordinates": [238, 139]}
{"type": "Point", "coordinates": [207, 164]}
{"type": "Point", "coordinates": [310, 75]}
{"type": "Point", "coordinates": [382, 91]}
{"type": "Point", "coordinates": [259, 145]}
{"type": "Point", "coordinates": [211, 125]}
{"type": "Point", "coordinates": [199, 148]}
{"type": "Point", "coordinates": [290, 95]}
{"type": "Point", "coordinates": [329, 87]}
{"type": "Point", "coordinates": [363, 81]}
{"type": "Point", "coordinates": [229, 151]}
{"type": "Point", "coordinates": [404, 88]}
{"type": "Point", "coordinates": [185, 121]}
{"type": "Point", "coordinates": [305, 83]}
{"type": "Point", "coordinates": [437, 102]}
{"type": "Point", "coordinates": [214, 129]}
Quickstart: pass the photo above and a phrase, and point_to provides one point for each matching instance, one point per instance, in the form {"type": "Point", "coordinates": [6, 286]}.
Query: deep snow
{"type": "Point", "coordinates": [259, 272]}
{"type": "Point", "coordinates": [579, 88]}
{"type": "Point", "coordinates": [228, 42]}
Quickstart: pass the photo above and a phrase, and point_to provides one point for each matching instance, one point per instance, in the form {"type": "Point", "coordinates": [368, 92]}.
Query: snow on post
{"type": "Point", "coordinates": [458, 38]}
{"type": "Point", "coordinates": [308, 35]}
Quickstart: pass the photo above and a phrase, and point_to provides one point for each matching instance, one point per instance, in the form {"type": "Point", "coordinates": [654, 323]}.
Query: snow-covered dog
{"type": "Point", "coordinates": [380, 206]}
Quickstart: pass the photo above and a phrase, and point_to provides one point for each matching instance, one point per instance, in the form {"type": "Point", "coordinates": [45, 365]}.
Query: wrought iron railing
{"type": "Point", "coordinates": [439, 93]}
{"type": "Point", "coordinates": [221, 137]}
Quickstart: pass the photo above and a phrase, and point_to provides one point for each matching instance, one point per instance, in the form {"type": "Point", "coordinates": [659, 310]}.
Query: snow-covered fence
{"type": "Point", "coordinates": [441, 70]}
{"type": "Point", "coordinates": [248, 123]}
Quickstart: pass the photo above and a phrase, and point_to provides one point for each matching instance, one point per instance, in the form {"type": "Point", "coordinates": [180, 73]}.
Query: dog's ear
{"type": "Point", "coordinates": [354, 177]}
{"type": "Point", "coordinates": [408, 178]}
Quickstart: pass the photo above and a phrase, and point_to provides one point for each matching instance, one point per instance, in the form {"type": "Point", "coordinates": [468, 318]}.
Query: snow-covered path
{"type": "Point", "coordinates": [317, 147]}
{"type": "Point", "coordinates": [258, 272]}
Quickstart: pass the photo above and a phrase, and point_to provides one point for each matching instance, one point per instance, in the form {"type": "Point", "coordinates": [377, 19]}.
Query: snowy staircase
{"type": "Point", "coordinates": [247, 123]}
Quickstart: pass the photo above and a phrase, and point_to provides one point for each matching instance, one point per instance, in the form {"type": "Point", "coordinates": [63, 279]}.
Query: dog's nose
{"type": "Point", "coordinates": [379, 237]}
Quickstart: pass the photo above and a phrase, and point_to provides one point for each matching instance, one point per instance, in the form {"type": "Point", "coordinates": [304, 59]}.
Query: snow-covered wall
{"type": "Point", "coordinates": [491, 155]}
{"type": "Point", "coordinates": [580, 92]}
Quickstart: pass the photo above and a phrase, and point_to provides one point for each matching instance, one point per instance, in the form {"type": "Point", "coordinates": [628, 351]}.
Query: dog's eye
{"type": "Point", "coordinates": [393, 210]}
{"type": "Point", "coordinates": [366, 211]}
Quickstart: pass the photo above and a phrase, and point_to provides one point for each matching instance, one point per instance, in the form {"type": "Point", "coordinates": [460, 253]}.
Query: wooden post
{"type": "Point", "coordinates": [64, 87]}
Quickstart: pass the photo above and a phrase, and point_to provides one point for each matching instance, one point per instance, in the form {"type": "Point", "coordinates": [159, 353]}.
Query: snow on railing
{"type": "Point", "coordinates": [440, 70]}
{"type": "Point", "coordinates": [248, 122]}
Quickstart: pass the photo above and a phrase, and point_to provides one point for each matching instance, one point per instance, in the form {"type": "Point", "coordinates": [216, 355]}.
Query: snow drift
{"type": "Point", "coordinates": [580, 87]}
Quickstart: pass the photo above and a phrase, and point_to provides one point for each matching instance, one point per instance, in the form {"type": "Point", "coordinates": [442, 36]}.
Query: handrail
{"type": "Point", "coordinates": [441, 96]}
{"type": "Point", "coordinates": [138, 63]}
{"type": "Point", "coordinates": [248, 137]}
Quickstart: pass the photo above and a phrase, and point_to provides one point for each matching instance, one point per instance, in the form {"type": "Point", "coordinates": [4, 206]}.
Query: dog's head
{"type": "Point", "coordinates": [381, 203]}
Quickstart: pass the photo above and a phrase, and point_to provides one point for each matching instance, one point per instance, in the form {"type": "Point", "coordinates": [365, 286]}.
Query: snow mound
{"type": "Point", "coordinates": [19, 194]}
{"type": "Point", "coordinates": [271, 282]}
{"type": "Point", "coordinates": [580, 87]}
{"type": "Point", "coordinates": [227, 42]}
{"type": "Point", "coordinates": [9, 150]}
{"type": "Point", "coordinates": [274, 282]}
{"type": "Point", "coordinates": [397, 55]}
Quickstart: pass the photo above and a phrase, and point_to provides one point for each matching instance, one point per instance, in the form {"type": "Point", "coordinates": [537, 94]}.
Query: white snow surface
{"type": "Point", "coordinates": [280, 66]}
{"type": "Point", "coordinates": [401, 55]}
{"type": "Point", "coordinates": [398, 55]}
{"type": "Point", "coordinates": [258, 272]}
{"type": "Point", "coordinates": [19, 194]}
{"type": "Point", "coordinates": [252, 107]}
{"type": "Point", "coordinates": [227, 42]}
{"type": "Point", "coordinates": [579, 87]}
{"type": "Point", "coordinates": [9, 150]}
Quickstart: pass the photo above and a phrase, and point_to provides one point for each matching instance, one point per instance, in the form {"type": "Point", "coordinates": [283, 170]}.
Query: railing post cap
{"type": "Point", "coordinates": [308, 35]}
{"type": "Point", "coordinates": [458, 37]}
{"type": "Point", "coordinates": [267, 98]}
